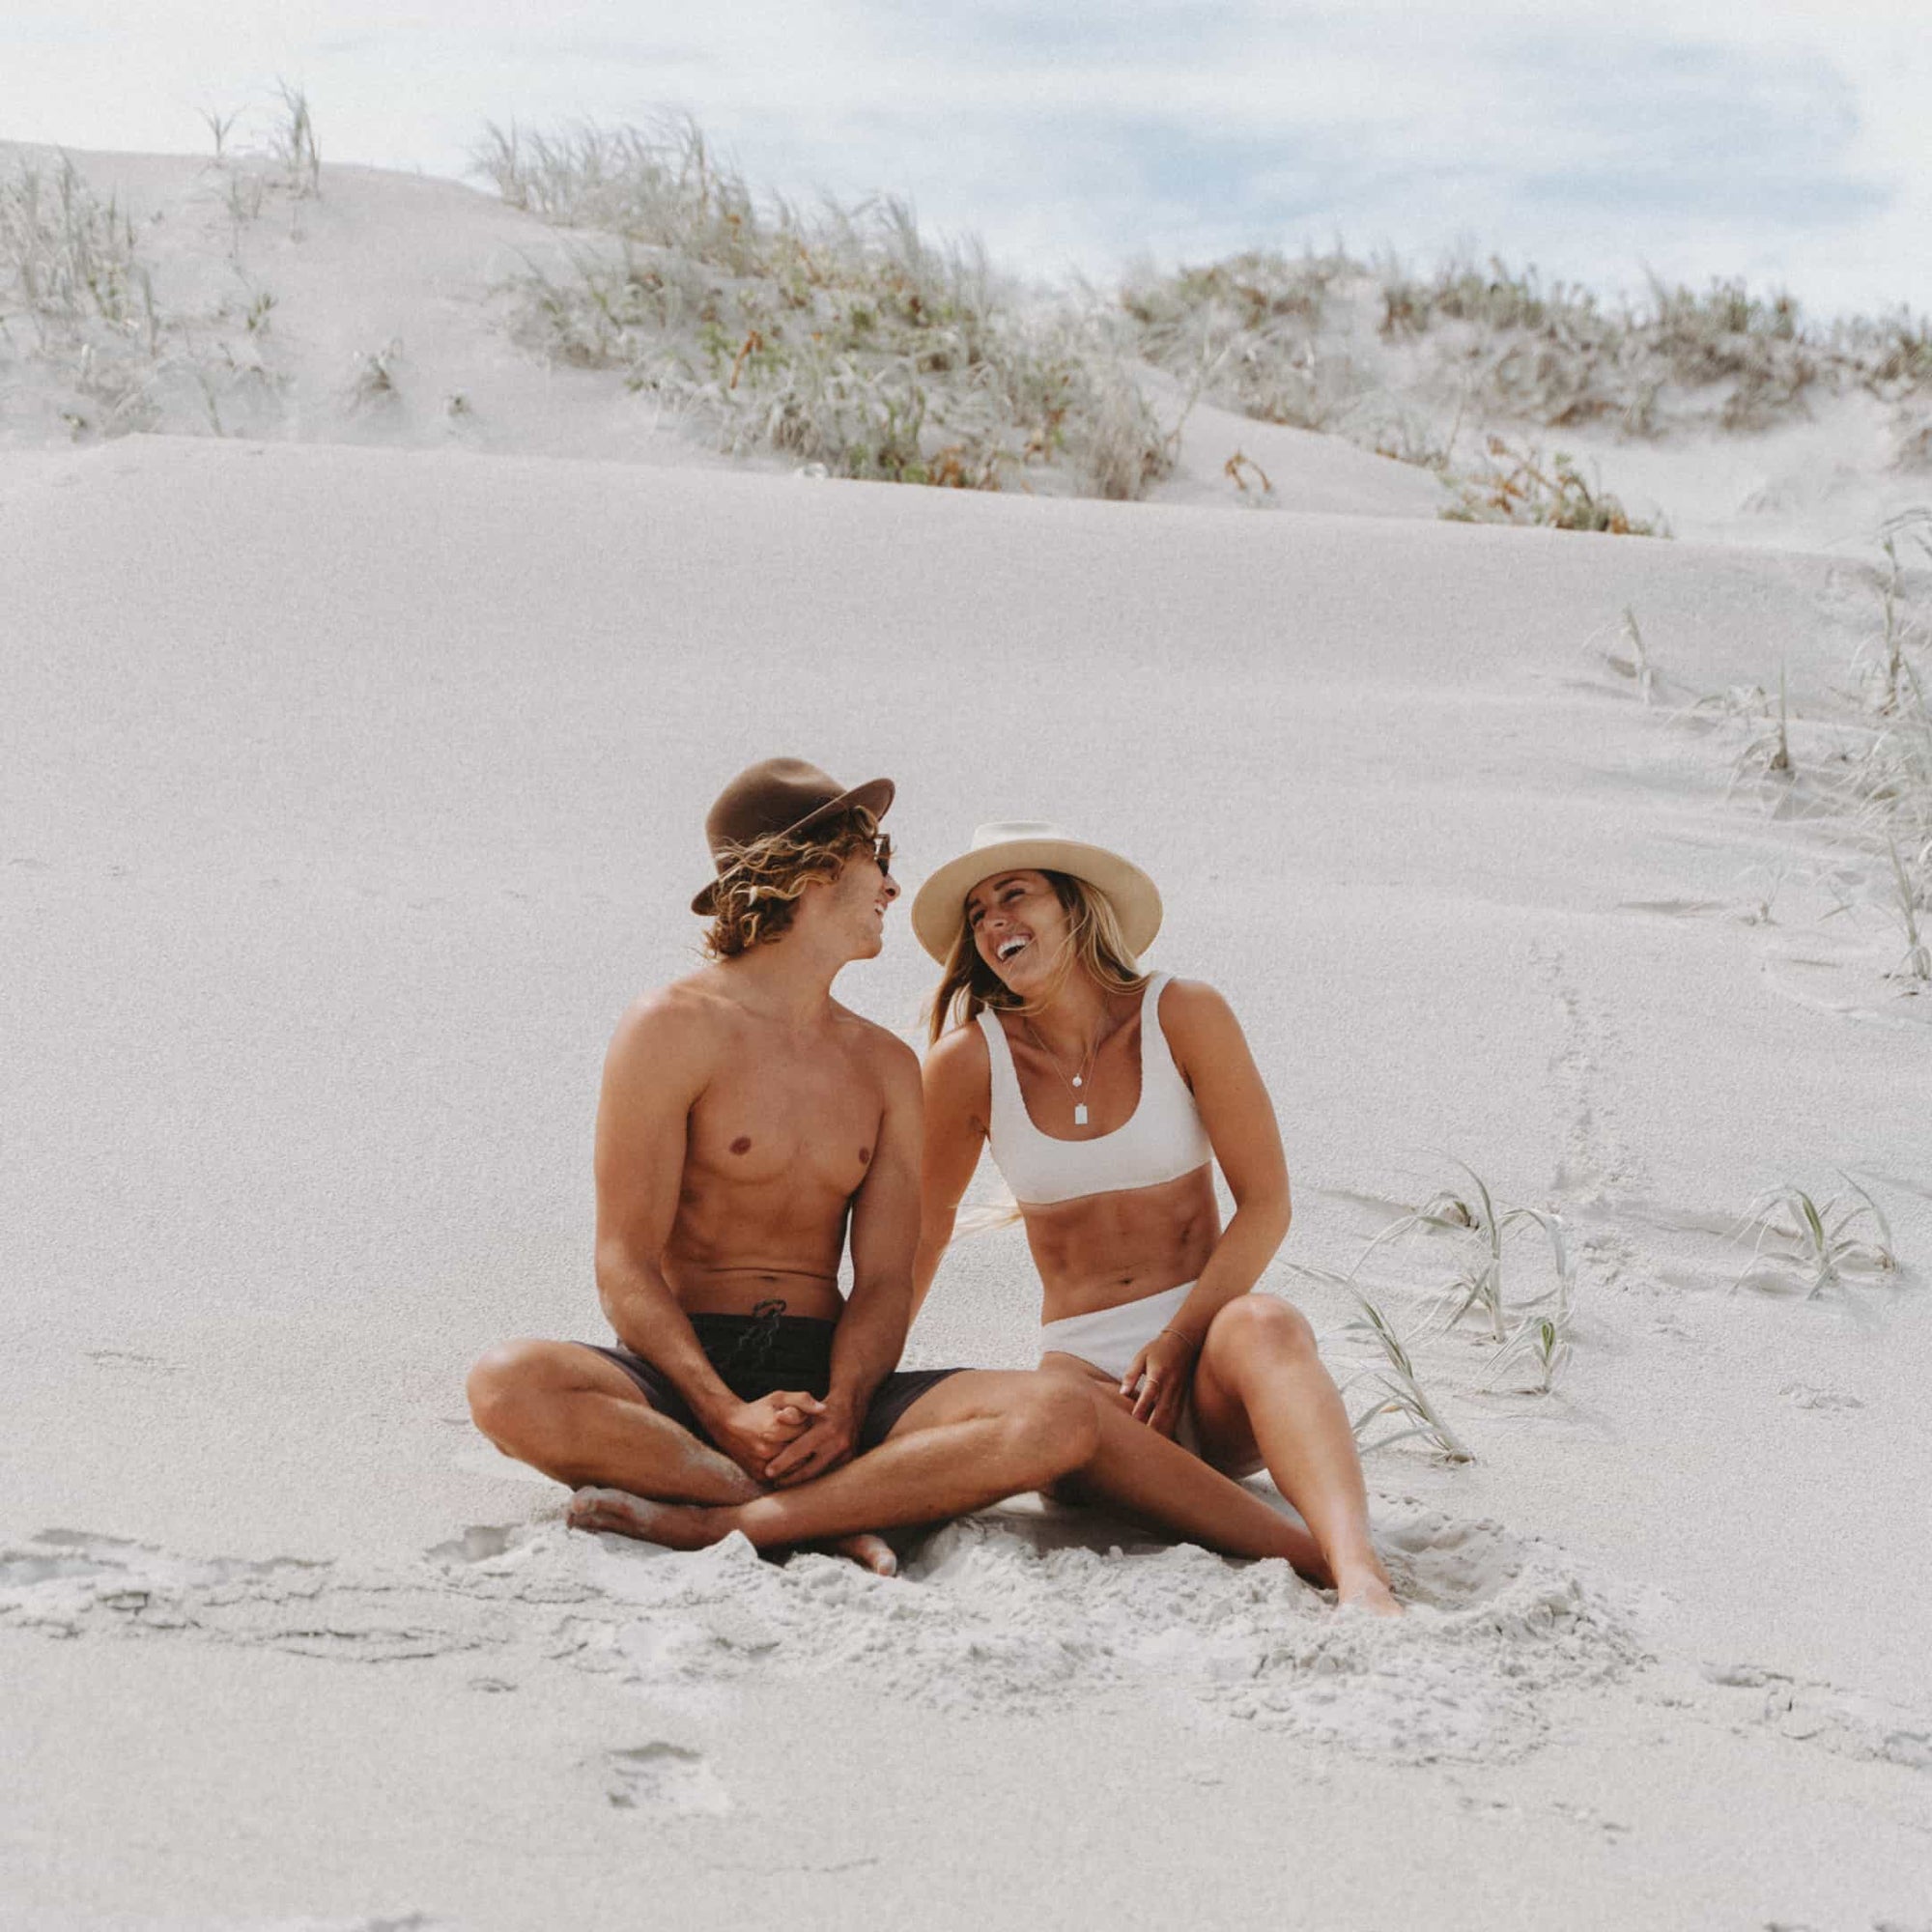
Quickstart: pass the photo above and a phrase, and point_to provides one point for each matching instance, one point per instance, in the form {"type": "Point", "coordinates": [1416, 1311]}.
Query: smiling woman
{"type": "Point", "coordinates": [1106, 1095]}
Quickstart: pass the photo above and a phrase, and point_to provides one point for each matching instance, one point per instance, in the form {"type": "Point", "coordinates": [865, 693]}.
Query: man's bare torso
{"type": "Point", "coordinates": [777, 1143]}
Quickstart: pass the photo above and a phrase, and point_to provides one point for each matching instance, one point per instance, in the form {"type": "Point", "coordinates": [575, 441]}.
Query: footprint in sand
{"type": "Point", "coordinates": [1802, 1395]}
{"type": "Point", "coordinates": [480, 1542]}
{"type": "Point", "coordinates": [131, 1360]}
{"type": "Point", "coordinates": [1848, 1723]}
{"type": "Point", "coordinates": [664, 1777]}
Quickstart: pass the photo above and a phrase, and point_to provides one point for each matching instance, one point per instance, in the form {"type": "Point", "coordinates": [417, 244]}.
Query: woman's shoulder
{"type": "Point", "coordinates": [1192, 1007]}
{"type": "Point", "coordinates": [958, 1053]}
{"type": "Point", "coordinates": [958, 1077]}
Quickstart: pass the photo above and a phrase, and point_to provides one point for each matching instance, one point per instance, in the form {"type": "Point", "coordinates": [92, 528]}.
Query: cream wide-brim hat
{"type": "Point", "coordinates": [1032, 845]}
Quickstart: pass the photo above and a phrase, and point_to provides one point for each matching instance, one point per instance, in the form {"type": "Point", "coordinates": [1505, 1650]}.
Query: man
{"type": "Point", "coordinates": [746, 1118]}
{"type": "Point", "coordinates": [747, 1122]}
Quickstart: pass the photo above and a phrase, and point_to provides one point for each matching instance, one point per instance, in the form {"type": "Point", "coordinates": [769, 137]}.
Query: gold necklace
{"type": "Point", "coordinates": [1078, 1082]}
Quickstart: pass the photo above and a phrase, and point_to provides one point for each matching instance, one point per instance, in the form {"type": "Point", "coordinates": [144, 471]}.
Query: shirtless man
{"type": "Point", "coordinates": [746, 1118]}
{"type": "Point", "coordinates": [747, 1122]}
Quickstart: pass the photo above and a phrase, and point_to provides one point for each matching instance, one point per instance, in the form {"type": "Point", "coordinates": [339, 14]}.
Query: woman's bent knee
{"type": "Point", "coordinates": [1259, 1322]}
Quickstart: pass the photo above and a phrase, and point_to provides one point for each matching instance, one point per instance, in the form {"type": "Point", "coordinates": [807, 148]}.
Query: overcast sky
{"type": "Point", "coordinates": [1788, 142]}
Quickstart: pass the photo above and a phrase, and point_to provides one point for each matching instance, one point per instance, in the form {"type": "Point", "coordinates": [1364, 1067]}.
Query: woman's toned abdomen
{"type": "Point", "coordinates": [1104, 1249]}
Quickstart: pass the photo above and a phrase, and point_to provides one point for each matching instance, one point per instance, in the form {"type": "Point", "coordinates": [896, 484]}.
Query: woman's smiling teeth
{"type": "Point", "coordinates": [1008, 947]}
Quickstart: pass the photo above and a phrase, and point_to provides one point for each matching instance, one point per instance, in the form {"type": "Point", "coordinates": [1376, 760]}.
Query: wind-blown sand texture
{"type": "Point", "coordinates": [348, 793]}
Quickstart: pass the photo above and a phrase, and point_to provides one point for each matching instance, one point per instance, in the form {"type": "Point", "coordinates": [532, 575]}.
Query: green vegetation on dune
{"type": "Point", "coordinates": [846, 341]}
{"type": "Point", "coordinates": [1324, 341]}
{"type": "Point", "coordinates": [839, 337]}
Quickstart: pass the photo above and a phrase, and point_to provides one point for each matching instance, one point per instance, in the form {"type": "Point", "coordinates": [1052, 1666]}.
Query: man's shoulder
{"type": "Point", "coordinates": [687, 1014]}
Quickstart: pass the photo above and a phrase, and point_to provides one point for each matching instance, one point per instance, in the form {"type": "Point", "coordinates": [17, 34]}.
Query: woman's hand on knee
{"type": "Point", "coordinates": [1158, 1379]}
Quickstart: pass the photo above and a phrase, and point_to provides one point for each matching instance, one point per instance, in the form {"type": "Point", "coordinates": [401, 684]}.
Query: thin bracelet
{"type": "Point", "coordinates": [1188, 1339]}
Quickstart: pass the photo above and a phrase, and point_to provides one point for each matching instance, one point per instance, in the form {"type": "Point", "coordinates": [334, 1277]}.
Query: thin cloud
{"type": "Point", "coordinates": [1784, 144]}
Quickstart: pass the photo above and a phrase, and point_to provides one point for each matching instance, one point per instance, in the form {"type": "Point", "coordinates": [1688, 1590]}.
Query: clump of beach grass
{"type": "Point", "coordinates": [112, 359]}
{"type": "Point", "coordinates": [1914, 965]}
{"type": "Point", "coordinates": [1521, 486]}
{"type": "Point", "coordinates": [1474, 1218]}
{"type": "Point", "coordinates": [1326, 341]}
{"type": "Point", "coordinates": [219, 126]}
{"type": "Point", "coordinates": [1249, 333]}
{"type": "Point", "coordinates": [372, 383]}
{"type": "Point", "coordinates": [1633, 661]}
{"type": "Point", "coordinates": [293, 142]}
{"type": "Point", "coordinates": [1799, 1241]}
{"type": "Point", "coordinates": [1767, 753]}
{"type": "Point", "coordinates": [70, 269]}
{"type": "Point", "coordinates": [1541, 1344]}
{"type": "Point", "coordinates": [69, 258]}
{"type": "Point", "coordinates": [1399, 1389]}
{"type": "Point", "coordinates": [1400, 1393]}
{"type": "Point", "coordinates": [1237, 469]}
{"type": "Point", "coordinates": [840, 336]}
{"type": "Point", "coordinates": [1873, 786]}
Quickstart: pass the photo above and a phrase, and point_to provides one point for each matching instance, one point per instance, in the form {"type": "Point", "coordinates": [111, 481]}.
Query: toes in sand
{"type": "Point", "coordinates": [871, 1552]}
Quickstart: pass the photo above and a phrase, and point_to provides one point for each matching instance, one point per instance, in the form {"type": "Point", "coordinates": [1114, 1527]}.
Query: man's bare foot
{"type": "Point", "coordinates": [871, 1552]}
{"type": "Point", "coordinates": [673, 1525]}
{"type": "Point", "coordinates": [1367, 1590]}
{"type": "Point", "coordinates": [694, 1526]}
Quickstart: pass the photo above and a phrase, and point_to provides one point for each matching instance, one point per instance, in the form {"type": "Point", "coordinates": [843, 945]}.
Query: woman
{"type": "Point", "coordinates": [1106, 1095]}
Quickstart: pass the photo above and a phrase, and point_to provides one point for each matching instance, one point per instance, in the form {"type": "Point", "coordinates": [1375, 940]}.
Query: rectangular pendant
{"type": "Point", "coordinates": [1080, 1113]}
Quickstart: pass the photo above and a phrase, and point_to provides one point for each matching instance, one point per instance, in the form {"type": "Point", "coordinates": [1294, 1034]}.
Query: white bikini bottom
{"type": "Point", "coordinates": [1110, 1337]}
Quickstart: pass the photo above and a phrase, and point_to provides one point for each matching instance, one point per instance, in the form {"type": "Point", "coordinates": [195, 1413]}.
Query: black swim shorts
{"type": "Point", "coordinates": [761, 1353]}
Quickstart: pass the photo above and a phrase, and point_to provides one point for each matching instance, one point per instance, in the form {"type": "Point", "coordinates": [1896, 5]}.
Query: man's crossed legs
{"type": "Point", "coordinates": [973, 1439]}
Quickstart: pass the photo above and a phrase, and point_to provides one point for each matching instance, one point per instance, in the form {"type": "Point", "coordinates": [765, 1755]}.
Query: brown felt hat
{"type": "Point", "coordinates": [778, 795]}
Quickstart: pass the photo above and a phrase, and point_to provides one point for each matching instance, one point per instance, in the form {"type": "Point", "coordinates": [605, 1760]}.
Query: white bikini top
{"type": "Point", "coordinates": [1163, 1140]}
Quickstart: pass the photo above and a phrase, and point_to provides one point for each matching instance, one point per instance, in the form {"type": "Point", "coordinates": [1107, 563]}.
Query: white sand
{"type": "Point", "coordinates": [348, 793]}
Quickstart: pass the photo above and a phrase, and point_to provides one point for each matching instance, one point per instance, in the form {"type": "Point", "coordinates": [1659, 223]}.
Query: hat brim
{"type": "Point", "coordinates": [938, 908]}
{"type": "Point", "coordinates": [875, 797]}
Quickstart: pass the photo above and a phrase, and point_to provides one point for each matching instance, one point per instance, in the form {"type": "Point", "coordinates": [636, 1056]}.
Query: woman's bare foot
{"type": "Point", "coordinates": [1365, 1588]}
{"type": "Point", "coordinates": [673, 1525]}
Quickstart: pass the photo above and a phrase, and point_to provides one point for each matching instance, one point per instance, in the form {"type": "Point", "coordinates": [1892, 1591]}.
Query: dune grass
{"type": "Point", "coordinates": [1475, 1219]}
{"type": "Point", "coordinates": [1399, 1391]}
{"type": "Point", "coordinates": [293, 143]}
{"type": "Point", "coordinates": [1539, 1342]}
{"type": "Point", "coordinates": [840, 336]}
{"type": "Point", "coordinates": [1372, 350]}
{"type": "Point", "coordinates": [1635, 663]}
{"type": "Point", "coordinates": [72, 283]}
{"type": "Point", "coordinates": [1865, 774]}
{"type": "Point", "coordinates": [1814, 1246]}
{"type": "Point", "coordinates": [372, 383]}
{"type": "Point", "coordinates": [78, 304]}
{"type": "Point", "coordinates": [1521, 486]}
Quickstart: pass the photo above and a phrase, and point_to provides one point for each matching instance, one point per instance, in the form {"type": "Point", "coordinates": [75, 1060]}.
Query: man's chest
{"type": "Point", "coordinates": [810, 1118]}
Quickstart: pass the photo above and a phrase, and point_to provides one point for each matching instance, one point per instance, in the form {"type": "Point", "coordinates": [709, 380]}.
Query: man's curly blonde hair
{"type": "Point", "coordinates": [757, 895]}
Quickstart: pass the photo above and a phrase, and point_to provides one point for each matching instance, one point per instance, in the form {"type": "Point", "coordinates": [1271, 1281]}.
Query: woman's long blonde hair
{"type": "Point", "coordinates": [1095, 947]}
